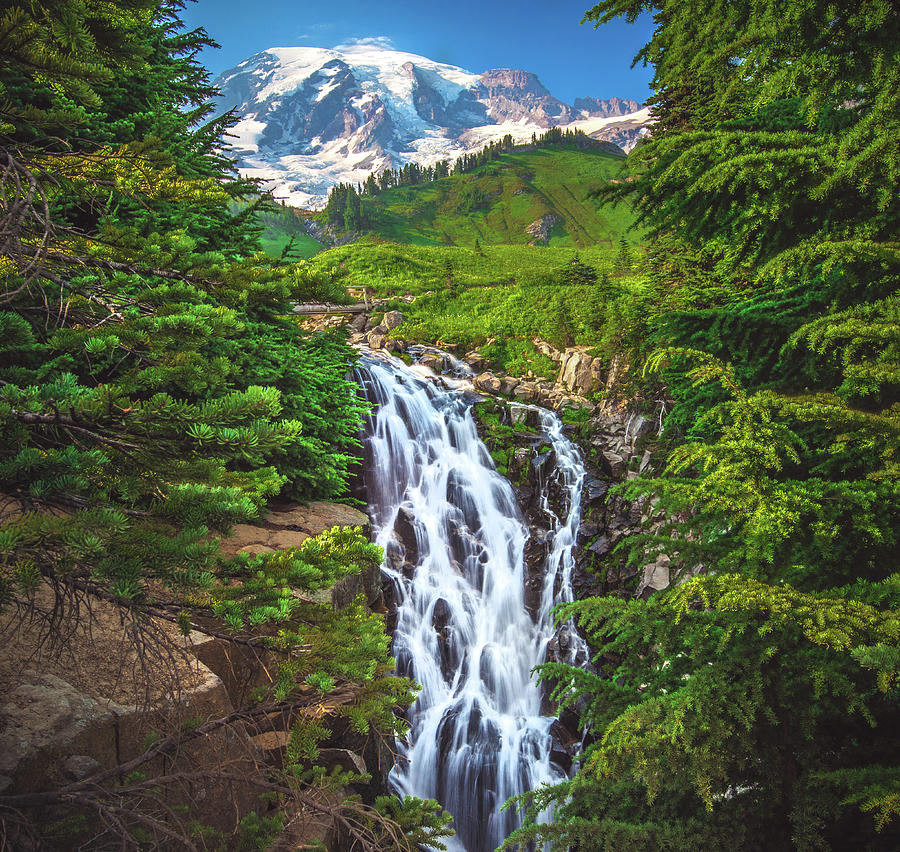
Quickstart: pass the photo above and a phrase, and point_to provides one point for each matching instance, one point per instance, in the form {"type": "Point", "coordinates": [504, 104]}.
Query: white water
{"type": "Point", "coordinates": [463, 632]}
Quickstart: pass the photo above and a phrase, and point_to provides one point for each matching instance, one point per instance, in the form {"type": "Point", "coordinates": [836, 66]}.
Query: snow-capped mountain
{"type": "Point", "coordinates": [311, 117]}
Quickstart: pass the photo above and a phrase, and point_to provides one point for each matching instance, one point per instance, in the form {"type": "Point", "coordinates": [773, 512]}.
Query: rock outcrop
{"type": "Point", "coordinates": [580, 372]}
{"type": "Point", "coordinates": [606, 108]}
{"type": "Point", "coordinates": [512, 95]}
{"type": "Point", "coordinates": [539, 230]}
{"type": "Point", "coordinates": [67, 716]}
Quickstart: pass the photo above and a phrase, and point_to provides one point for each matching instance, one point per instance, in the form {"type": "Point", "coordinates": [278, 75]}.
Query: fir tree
{"type": "Point", "coordinates": [154, 391]}
{"type": "Point", "coordinates": [753, 704]}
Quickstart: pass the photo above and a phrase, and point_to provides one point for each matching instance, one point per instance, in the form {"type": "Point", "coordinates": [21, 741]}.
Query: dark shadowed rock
{"type": "Point", "coordinates": [405, 534]}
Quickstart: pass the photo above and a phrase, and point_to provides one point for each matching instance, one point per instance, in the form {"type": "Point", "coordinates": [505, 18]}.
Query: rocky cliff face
{"type": "Point", "coordinates": [312, 117]}
{"type": "Point", "coordinates": [595, 108]}
{"type": "Point", "coordinates": [512, 95]}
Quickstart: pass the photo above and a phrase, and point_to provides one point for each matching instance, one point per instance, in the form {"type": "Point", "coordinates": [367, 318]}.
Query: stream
{"type": "Point", "coordinates": [455, 541]}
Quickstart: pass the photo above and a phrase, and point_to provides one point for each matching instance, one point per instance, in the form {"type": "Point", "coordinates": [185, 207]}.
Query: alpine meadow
{"type": "Point", "coordinates": [534, 487]}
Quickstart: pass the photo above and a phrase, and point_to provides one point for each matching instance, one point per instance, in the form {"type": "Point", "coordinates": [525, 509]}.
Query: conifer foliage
{"type": "Point", "coordinates": [754, 703]}
{"type": "Point", "coordinates": [154, 391]}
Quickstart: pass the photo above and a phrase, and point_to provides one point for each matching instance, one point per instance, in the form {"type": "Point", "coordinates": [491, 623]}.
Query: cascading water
{"type": "Point", "coordinates": [454, 540]}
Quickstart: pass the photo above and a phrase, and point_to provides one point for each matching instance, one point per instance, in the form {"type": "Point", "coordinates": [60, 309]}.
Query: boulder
{"type": "Point", "coordinates": [376, 339]}
{"type": "Point", "coordinates": [272, 745]}
{"type": "Point", "coordinates": [613, 463]}
{"type": "Point", "coordinates": [487, 382]}
{"type": "Point", "coordinates": [475, 360]}
{"type": "Point", "coordinates": [600, 546]}
{"type": "Point", "coordinates": [580, 372]}
{"type": "Point", "coordinates": [315, 517]}
{"type": "Point", "coordinates": [639, 426]}
{"type": "Point", "coordinates": [645, 461]}
{"type": "Point", "coordinates": [519, 415]}
{"type": "Point", "coordinates": [53, 732]}
{"type": "Point", "coordinates": [434, 362]}
{"type": "Point", "coordinates": [392, 319]}
{"type": "Point", "coordinates": [655, 577]}
{"type": "Point", "coordinates": [526, 391]}
{"type": "Point", "coordinates": [247, 538]}
{"type": "Point", "coordinates": [508, 385]}
{"type": "Point", "coordinates": [548, 349]}
{"type": "Point", "coordinates": [595, 489]}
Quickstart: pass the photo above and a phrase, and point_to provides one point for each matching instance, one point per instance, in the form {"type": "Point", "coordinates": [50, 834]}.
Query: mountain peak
{"type": "Point", "coordinates": [311, 117]}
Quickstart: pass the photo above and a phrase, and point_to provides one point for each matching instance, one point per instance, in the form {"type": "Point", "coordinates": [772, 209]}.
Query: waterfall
{"type": "Point", "coordinates": [454, 541]}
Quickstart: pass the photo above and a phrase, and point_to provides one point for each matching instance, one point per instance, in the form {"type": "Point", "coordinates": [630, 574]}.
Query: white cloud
{"type": "Point", "coordinates": [369, 41]}
{"type": "Point", "coordinates": [314, 32]}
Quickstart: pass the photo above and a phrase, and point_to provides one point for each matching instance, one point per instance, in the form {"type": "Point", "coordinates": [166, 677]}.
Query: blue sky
{"type": "Point", "coordinates": [543, 36]}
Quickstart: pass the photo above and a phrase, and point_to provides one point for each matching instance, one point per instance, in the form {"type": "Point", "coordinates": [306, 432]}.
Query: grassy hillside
{"type": "Point", "coordinates": [390, 269]}
{"type": "Point", "coordinates": [499, 298]}
{"type": "Point", "coordinates": [495, 203]}
{"type": "Point", "coordinates": [282, 225]}
{"type": "Point", "coordinates": [459, 245]}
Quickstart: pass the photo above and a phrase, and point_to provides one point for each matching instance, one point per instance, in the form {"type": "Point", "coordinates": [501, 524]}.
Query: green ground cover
{"type": "Point", "coordinates": [495, 203]}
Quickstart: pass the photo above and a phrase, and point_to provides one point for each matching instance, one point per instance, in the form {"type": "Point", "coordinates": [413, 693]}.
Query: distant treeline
{"type": "Point", "coordinates": [346, 210]}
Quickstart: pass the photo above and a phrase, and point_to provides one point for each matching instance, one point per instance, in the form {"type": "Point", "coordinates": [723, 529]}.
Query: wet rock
{"type": "Point", "coordinates": [542, 463]}
{"type": "Point", "coordinates": [535, 557]}
{"type": "Point", "coordinates": [587, 530]}
{"type": "Point", "coordinates": [405, 534]}
{"type": "Point", "coordinates": [561, 756]}
{"type": "Point", "coordinates": [376, 339]}
{"type": "Point", "coordinates": [434, 362]}
{"type": "Point", "coordinates": [440, 616]}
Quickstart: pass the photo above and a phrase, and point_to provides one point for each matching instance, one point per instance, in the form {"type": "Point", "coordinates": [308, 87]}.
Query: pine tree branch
{"type": "Point", "coordinates": [32, 418]}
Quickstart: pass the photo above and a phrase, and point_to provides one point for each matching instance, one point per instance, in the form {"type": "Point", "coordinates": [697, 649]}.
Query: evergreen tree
{"type": "Point", "coordinates": [754, 703]}
{"type": "Point", "coordinates": [154, 389]}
